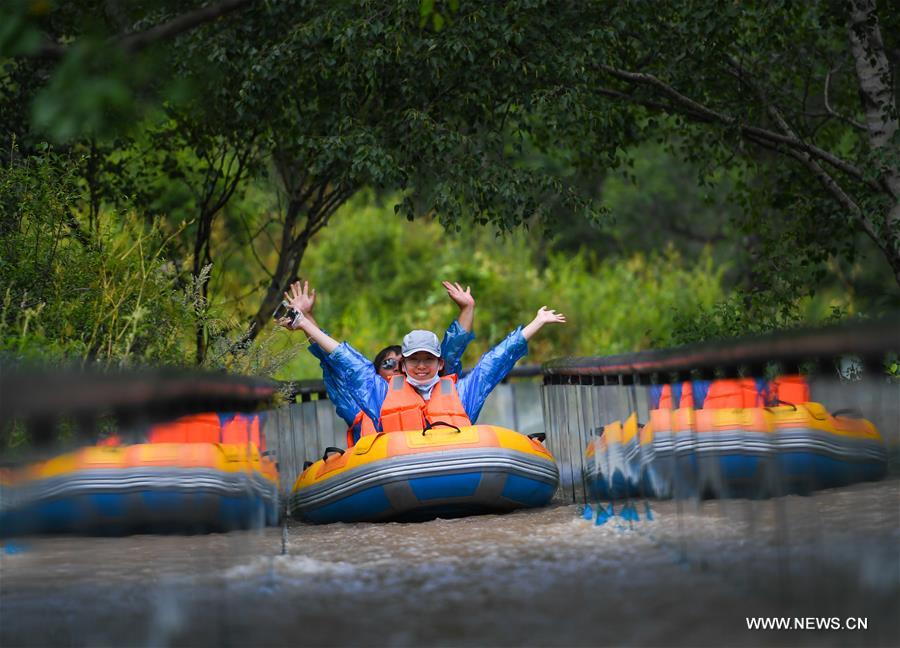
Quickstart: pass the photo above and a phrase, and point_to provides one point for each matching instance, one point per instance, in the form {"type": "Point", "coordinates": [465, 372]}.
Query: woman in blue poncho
{"type": "Point", "coordinates": [422, 367]}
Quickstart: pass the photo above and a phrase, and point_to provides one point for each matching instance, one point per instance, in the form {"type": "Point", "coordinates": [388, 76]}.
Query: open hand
{"type": "Point", "coordinates": [463, 298]}
{"type": "Point", "coordinates": [549, 316]}
{"type": "Point", "coordinates": [301, 298]}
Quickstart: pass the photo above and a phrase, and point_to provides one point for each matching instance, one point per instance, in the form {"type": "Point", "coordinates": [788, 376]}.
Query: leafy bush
{"type": "Point", "coordinates": [379, 276]}
{"type": "Point", "coordinates": [101, 294]}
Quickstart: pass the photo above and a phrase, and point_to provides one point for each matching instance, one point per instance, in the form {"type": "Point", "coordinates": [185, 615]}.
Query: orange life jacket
{"type": "Point", "coordinates": [244, 429]}
{"type": "Point", "coordinates": [790, 389]}
{"type": "Point", "coordinates": [733, 393]}
{"type": "Point", "coordinates": [405, 409]}
{"type": "Point", "coordinates": [196, 428]}
{"type": "Point", "coordinates": [665, 397]}
{"type": "Point", "coordinates": [687, 396]}
{"type": "Point", "coordinates": [206, 428]}
{"type": "Point", "coordinates": [366, 427]}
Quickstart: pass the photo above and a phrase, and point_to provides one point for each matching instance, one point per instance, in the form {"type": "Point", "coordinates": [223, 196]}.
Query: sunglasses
{"type": "Point", "coordinates": [389, 363]}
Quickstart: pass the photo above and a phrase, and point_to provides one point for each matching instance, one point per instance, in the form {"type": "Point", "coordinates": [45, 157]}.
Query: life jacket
{"type": "Point", "coordinates": [687, 396]}
{"type": "Point", "coordinates": [790, 389]}
{"type": "Point", "coordinates": [196, 428]}
{"type": "Point", "coordinates": [207, 428]}
{"type": "Point", "coordinates": [666, 397]}
{"type": "Point", "coordinates": [405, 409]}
{"type": "Point", "coordinates": [362, 426]}
{"type": "Point", "coordinates": [243, 429]}
{"type": "Point", "coordinates": [733, 394]}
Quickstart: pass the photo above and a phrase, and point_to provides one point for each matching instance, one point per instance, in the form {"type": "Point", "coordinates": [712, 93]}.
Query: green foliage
{"type": "Point", "coordinates": [379, 277]}
{"type": "Point", "coordinates": [514, 115]}
{"type": "Point", "coordinates": [654, 202]}
{"type": "Point", "coordinates": [749, 87]}
{"type": "Point", "coordinates": [109, 296]}
{"type": "Point", "coordinates": [67, 293]}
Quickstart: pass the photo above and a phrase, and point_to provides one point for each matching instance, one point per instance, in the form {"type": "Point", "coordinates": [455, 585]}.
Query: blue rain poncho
{"type": "Point", "coordinates": [368, 389]}
{"type": "Point", "coordinates": [454, 344]}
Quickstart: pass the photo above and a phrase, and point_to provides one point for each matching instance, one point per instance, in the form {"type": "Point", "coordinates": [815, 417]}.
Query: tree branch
{"type": "Point", "coordinates": [75, 227]}
{"type": "Point", "coordinates": [250, 239]}
{"type": "Point", "coordinates": [828, 182]}
{"type": "Point", "coordinates": [831, 186]}
{"type": "Point", "coordinates": [830, 111]}
{"type": "Point", "coordinates": [231, 186]}
{"type": "Point", "coordinates": [138, 41]}
{"type": "Point", "coordinates": [688, 107]}
{"type": "Point", "coordinates": [653, 105]}
{"type": "Point", "coordinates": [337, 199]}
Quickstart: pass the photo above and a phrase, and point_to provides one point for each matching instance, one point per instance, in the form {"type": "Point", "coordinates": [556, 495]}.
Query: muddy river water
{"type": "Point", "coordinates": [690, 576]}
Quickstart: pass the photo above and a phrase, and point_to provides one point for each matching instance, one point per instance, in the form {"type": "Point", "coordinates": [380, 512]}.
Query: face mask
{"type": "Point", "coordinates": [423, 384]}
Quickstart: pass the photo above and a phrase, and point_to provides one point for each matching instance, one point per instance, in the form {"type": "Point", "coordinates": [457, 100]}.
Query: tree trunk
{"type": "Point", "coordinates": [319, 204]}
{"type": "Point", "coordinates": [275, 291]}
{"type": "Point", "coordinates": [873, 71]}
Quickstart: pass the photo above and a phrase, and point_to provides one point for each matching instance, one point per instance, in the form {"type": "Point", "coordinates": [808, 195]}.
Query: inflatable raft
{"type": "Point", "coordinates": [148, 487]}
{"type": "Point", "coordinates": [612, 461]}
{"type": "Point", "coordinates": [818, 449]}
{"type": "Point", "coordinates": [734, 452]}
{"type": "Point", "coordinates": [417, 475]}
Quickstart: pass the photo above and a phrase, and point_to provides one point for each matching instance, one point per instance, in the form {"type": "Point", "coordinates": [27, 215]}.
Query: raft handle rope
{"type": "Point", "coordinates": [538, 436]}
{"type": "Point", "coordinates": [848, 410]}
{"type": "Point", "coordinates": [778, 401]}
{"type": "Point", "coordinates": [429, 425]}
{"type": "Point", "coordinates": [331, 450]}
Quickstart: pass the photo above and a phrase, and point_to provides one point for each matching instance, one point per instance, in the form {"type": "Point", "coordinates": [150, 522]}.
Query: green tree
{"type": "Point", "coordinates": [803, 94]}
{"type": "Point", "coordinates": [483, 113]}
{"type": "Point", "coordinates": [379, 276]}
{"type": "Point", "coordinates": [360, 94]}
{"type": "Point", "coordinates": [108, 297]}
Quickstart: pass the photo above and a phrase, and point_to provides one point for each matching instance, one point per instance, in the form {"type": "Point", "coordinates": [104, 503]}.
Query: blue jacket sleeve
{"type": "Point", "coordinates": [337, 393]}
{"type": "Point", "coordinates": [367, 389]}
{"type": "Point", "coordinates": [454, 344]}
{"type": "Point", "coordinates": [493, 366]}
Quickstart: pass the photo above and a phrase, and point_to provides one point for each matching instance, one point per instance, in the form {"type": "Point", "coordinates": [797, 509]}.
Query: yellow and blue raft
{"type": "Point", "coordinates": [417, 475]}
{"type": "Point", "coordinates": [148, 487]}
{"type": "Point", "coordinates": [733, 452]}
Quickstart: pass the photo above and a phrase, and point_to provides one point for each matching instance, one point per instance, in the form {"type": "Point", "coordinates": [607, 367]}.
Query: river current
{"type": "Point", "coordinates": [691, 575]}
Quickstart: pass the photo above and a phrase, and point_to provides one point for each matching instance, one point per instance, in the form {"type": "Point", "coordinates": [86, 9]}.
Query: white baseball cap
{"type": "Point", "coordinates": [420, 341]}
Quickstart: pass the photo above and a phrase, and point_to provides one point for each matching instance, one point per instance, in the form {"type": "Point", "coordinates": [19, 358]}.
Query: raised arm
{"type": "Point", "coordinates": [335, 386]}
{"type": "Point", "coordinates": [459, 333]}
{"type": "Point", "coordinates": [350, 371]}
{"type": "Point", "coordinates": [494, 365]}
{"type": "Point", "coordinates": [465, 301]}
{"type": "Point", "coordinates": [544, 316]}
{"type": "Point", "coordinates": [301, 299]}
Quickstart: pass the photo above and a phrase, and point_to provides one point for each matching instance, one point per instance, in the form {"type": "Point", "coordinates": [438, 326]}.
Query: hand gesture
{"type": "Point", "coordinates": [463, 298]}
{"type": "Point", "coordinates": [301, 298]}
{"type": "Point", "coordinates": [544, 316]}
{"type": "Point", "coordinates": [549, 316]}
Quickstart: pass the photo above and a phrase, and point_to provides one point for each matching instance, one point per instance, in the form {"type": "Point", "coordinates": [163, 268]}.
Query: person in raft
{"type": "Point", "coordinates": [421, 397]}
{"type": "Point", "coordinates": [387, 361]}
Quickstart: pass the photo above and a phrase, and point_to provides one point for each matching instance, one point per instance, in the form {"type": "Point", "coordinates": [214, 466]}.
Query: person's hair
{"type": "Point", "coordinates": [381, 355]}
